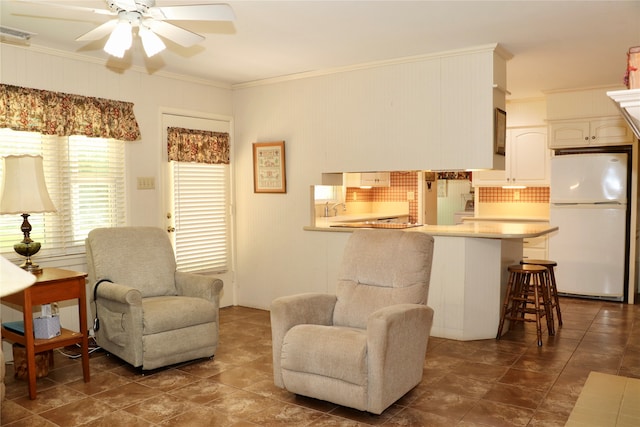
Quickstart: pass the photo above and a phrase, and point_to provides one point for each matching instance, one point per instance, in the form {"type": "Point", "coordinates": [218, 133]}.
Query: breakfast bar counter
{"type": "Point", "coordinates": [479, 229]}
{"type": "Point", "coordinates": [469, 272]}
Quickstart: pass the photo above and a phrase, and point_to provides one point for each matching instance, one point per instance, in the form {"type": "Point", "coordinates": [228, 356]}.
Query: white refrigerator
{"type": "Point", "coordinates": [588, 199]}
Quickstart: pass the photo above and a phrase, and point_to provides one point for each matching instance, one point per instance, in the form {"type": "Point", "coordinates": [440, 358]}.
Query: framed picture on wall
{"type": "Point", "coordinates": [269, 173]}
{"type": "Point", "coordinates": [500, 131]}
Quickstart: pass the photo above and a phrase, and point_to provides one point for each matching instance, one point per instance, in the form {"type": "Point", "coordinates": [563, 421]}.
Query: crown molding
{"type": "Point", "coordinates": [492, 47]}
{"type": "Point", "coordinates": [134, 68]}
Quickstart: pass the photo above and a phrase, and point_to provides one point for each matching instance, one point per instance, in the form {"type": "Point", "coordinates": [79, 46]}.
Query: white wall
{"type": "Point", "coordinates": [32, 68]}
{"type": "Point", "coordinates": [356, 120]}
{"type": "Point", "coordinates": [29, 67]}
{"type": "Point", "coordinates": [527, 112]}
{"type": "Point", "coordinates": [274, 255]}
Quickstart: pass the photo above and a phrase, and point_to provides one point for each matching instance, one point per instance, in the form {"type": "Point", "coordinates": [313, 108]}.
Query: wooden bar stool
{"type": "Point", "coordinates": [527, 293]}
{"type": "Point", "coordinates": [555, 301]}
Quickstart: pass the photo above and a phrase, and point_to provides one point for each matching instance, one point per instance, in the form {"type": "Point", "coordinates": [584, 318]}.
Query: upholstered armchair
{"type": "Point", "coordinates": [365, 346]}
{"type": "Point", "coordinates": [148, 313]}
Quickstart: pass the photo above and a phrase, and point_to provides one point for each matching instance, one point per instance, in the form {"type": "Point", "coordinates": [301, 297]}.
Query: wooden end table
{"type": "Point", "coordinates": [52, 285]}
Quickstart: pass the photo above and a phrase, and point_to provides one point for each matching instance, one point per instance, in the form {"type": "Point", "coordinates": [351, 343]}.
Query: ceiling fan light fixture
{"type": "Point", "coordinates": [120, 40]}
{"type": "Point", "coordinates": [151, 43]}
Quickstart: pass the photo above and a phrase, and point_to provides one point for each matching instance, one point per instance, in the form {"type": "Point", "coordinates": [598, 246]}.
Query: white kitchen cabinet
{"type": "Point", "coordinates": [437, 116]}
{"type": "Point", "coordinates": [526, 163]}
{"type": "Point", "coordinates": [535, 247]}
{"type": "Point", "coordinates": [368, 179]}
{"type": "Point", "coordinates": [589, 133]}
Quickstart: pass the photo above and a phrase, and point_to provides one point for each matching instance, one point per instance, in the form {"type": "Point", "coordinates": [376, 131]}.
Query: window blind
{"type": "Point", "coordinates": [201, 216]}
{"type": "Point", "coordinates": [86, 181]}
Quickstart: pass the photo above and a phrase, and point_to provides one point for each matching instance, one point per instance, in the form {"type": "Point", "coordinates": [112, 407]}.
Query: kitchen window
{"type": "Point", "coordinates": [86, 181]}
{"type": "Point", "coordinates": [325, 193]}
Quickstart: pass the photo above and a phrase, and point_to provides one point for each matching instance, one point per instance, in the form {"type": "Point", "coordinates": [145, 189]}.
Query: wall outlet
{"type": "Point", "coordinates": [146, 183]}
{"type": "Point", "coordinates": [411, 195]}
{"type": "Point", "coordinates": [516, 195]}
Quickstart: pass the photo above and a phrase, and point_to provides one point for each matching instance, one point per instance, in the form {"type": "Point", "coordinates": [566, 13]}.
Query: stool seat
{"type": "Point", "coordinates": [528, 293]}
{"type": "Point", "coordinates": [543, 262]}
{"type": "Point", "coordinates": [555, 300]}
{"type": "Point", "coordinates": [526, 268]}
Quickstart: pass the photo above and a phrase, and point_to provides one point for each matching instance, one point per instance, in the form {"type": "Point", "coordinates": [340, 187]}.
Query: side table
{"type": "Point", "coordinates": [52, 285]}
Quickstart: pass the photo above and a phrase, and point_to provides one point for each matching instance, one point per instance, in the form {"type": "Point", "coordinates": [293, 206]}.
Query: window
{"type": "Point", "coordinates": [200, 200]}
{"type": "Point", "coordinates": [325, 193]}
{"type": "Point", "coordinates": [86, 180]}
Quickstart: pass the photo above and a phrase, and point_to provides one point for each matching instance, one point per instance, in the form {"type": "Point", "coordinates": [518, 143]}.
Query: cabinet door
{"type": "Point", "coordinates": [527, 161]}
{"type": "Point", "coordinates": [569, 134]}
{"type": "Point", "coordinates": [368, 179]}
{"type": "Point", "coordinates": [375, 179]}
{"type": "Point", "coordinates": [610, 131]}
{"type": "Point", "coordinates": [535, 247]}
{"type": "Point", "coordinates": [529, 157]}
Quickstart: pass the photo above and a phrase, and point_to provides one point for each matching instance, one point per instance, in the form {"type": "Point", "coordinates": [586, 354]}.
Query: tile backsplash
{"type": "Point", "coordinates": [402, 183]}
{"type": "Point", "coordinates": [513, 195]}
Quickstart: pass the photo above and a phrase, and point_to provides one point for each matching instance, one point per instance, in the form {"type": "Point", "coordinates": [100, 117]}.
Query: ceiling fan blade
{"type": "Point", "coordinates": [202, 12]}
{"type": "Point", "coordinates": [69, 7]}
{"type": "Point", "coordinates": [174, 33]}
{"type": "Point", "coordinates": [99, 32]}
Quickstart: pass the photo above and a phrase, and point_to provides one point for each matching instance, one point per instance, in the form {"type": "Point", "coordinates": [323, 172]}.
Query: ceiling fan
{"type": "Point", "coordinates": [150, 21]}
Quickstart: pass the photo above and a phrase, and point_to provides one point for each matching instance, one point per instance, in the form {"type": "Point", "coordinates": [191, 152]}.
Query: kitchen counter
{"type": "Point", "coordinates": [506, 219]}
{"type": "Point", "coordinates": [325, 222]}
{"type": "Point", "coordinates": [476, 229]}
{"type": "Point", "coordinates": [469, 272]}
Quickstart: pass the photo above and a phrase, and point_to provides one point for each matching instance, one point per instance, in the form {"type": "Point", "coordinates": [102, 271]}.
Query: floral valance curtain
{"type": "Point", "coordinates": [63, 114]}
{"type": "Point", "coordinates": [200, 146]}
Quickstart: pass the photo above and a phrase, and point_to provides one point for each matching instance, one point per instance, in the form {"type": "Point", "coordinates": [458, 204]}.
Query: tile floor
{"type": "Point", "coordinates": [510, 382]}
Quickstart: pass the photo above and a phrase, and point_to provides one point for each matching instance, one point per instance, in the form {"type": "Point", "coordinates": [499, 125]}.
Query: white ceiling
{"type": "Point", "coordinates": [555, 44]}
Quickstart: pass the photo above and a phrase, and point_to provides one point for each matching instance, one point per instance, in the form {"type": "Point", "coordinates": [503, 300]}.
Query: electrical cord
{"type": "Point", "coordinates": [92, 348]}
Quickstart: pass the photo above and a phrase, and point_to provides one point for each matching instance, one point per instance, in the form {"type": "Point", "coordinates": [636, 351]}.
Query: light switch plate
{"type": "Point", "coordinates": [146, 183]}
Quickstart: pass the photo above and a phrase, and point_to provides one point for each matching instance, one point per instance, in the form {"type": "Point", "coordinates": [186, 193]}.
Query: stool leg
{"type": "Point", "coordinates": [536, 303]}
{"type": "Point", "coordinates": [554, 292]}
{"type": "Point", "coordinates": [548, 302]}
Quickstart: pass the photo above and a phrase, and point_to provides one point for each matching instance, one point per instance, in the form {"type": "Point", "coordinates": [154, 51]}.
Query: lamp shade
{"type": "Point", "coordinates": [23, 186]}
{"type": "Point", "coordinates": [12, 278]}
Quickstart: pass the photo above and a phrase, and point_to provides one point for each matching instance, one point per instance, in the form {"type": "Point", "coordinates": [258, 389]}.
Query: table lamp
{"type": "Point", "coordinates": [24, 192]}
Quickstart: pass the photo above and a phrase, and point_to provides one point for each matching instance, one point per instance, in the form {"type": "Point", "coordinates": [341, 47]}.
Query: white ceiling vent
{"type": "Point", "coordinates": [13, 35]}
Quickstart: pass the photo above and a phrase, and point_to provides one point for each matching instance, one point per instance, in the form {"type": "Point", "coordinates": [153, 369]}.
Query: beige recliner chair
{"type": "Point", "coordinates": [149, 314]}
{"type": "Point", "coordinates": [365, 346]}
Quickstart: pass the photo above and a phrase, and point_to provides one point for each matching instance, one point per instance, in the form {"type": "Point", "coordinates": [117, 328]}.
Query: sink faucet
{"type": "Point", "coordinates": [334, 207]}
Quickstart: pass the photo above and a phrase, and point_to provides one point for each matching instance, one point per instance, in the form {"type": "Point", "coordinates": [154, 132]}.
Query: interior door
{"type": "Point", "coordinates": [171, 205]}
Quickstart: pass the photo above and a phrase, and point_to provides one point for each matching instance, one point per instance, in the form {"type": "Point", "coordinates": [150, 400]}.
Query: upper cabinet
{"type": "Point", "coordinates": [527, 160]}
{"type": "Point", "coordinates": [433, 112]}
{"type": "Point", "coordinates": [368, 179]}
{"type": "Point", "coordinates": [585, 118]}
{"type": "Point", "coordinates": [589, 133]}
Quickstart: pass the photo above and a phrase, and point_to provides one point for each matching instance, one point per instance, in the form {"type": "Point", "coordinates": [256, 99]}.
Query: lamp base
{"type": "Point", "coordinates": [26, 250]}
{"type": "Point", "coordinates": [31, 268]}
